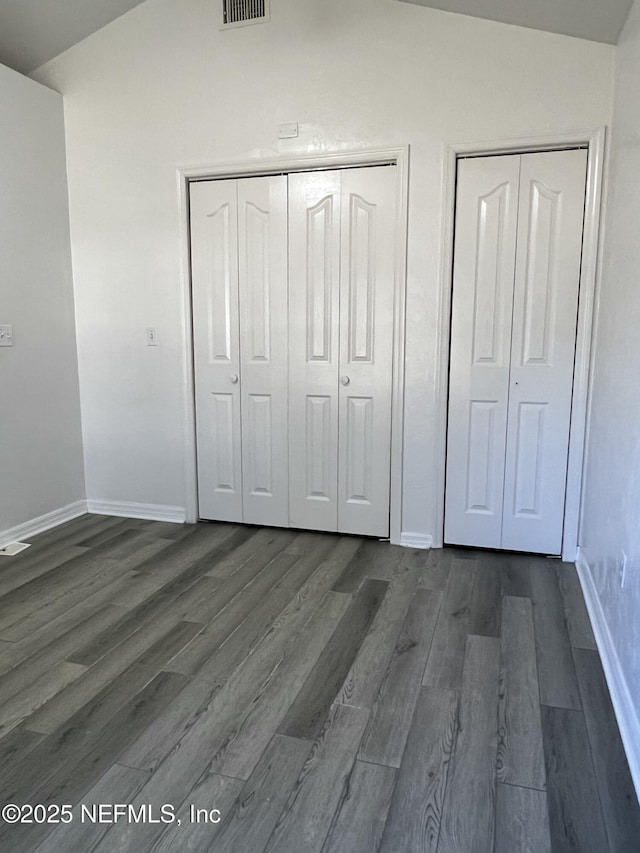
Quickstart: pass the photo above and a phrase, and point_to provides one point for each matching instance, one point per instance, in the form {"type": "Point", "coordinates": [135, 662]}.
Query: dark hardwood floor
{"type": "Point", "coordinates": [326, 694]}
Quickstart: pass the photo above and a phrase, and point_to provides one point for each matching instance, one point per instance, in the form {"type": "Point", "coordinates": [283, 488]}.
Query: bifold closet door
{"type": "Point", "coordinates": [545, 310]}
{"type": "Point", "coordinates": [239, 294]}
{"type": "Point", "coordinates": [517, 257]}
{"type": "Point", "coordinates": [484, 269]}
{"type": "Point", "coordinates": [341, 302]}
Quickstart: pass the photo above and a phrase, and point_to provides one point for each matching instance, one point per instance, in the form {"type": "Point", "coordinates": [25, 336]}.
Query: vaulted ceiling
{"type": "Point", "coordinates": [34, 31]}
{"type": "Point", "coordinates": [596, 20]}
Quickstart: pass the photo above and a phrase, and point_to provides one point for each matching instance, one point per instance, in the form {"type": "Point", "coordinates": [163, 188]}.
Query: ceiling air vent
{"type": "Point", "coordinates": [238, 13]}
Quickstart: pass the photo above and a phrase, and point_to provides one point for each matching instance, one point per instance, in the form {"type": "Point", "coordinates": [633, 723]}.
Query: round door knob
{"type": "Point", "coordinates": [345, 380]}
{"type": "Point", "coordinates": [234, 378]}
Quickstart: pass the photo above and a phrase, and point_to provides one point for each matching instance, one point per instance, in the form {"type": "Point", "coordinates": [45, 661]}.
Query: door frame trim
{"type": "Point", "coordinates": [594, 140]}
{"type": "Point", "coordinates": [399, 157]}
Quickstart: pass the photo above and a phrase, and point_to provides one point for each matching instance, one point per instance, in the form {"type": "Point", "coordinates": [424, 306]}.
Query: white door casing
{"type": "Point", "coordinates": [531, 412]}
{"type": "Point", "coordinates": [551, 213]}
{"type": "Point", "coordinates": [262, 270]}
{"type": "Point", "coordinates": [216, 343]}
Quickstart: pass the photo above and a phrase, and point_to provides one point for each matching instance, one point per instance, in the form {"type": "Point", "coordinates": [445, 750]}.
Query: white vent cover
{"type": "Point", "coordinates": [237, 13]}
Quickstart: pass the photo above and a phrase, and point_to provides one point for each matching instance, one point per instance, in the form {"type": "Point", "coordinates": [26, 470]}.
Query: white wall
{"type": "Point", "coordinates": [611, 517]}
{"type": "Point", "coordinates": [41, 467]}
{"type": "Point", "coordinates": [162, 88]}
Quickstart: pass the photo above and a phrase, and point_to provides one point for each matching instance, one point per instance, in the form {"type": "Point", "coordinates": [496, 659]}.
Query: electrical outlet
{"type": "Point", "coordinates": [6, 336]}
{"type": "Point", "coordinates": [152, 336]}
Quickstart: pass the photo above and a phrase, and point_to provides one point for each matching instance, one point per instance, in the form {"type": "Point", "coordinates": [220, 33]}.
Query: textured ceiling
{"type": "Point", "coordinates": [596, 20]}
{"type": "Point", "coordinates": [34, 31]}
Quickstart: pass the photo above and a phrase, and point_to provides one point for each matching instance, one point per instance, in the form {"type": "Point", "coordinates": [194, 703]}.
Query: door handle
{"type": "Point", "coordinates": [234, 378]}
{"type": "Point", "coordinates": [345, 380]}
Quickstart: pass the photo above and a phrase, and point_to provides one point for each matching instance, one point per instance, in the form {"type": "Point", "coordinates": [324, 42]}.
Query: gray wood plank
{"type": "Point", "coordinates": [263, 797]}
{"type": "Point", "coordinates": [15, 747]}
{"type": "Point", "coordinates": [385, 738]}
{"type": "Point", "coordinates": [556, 672]}
{"type": "Point", "coordinates": [522, 821]}
{"type": "Point", "coordinates": [444, 665]}
{"type": "Point", "coordinates": [251, 730]}
{"type": "Point", "coordinates": [257, 540]}
{"type": "Point", "coordinates": [369, 561]}
{"type": "Point", "coordinates": [71, 780]}
{"type": "Point", "coordinates": [575, 815]}
{"type": "Point", "coordinates": [76, 574]}
{"type": "Point", "coordinates": [19, 573]}
{"type": "Point", "coordinates": [415, 814]}
{"type": "Point", "coordinates": [187, 746]}
{"type": "Point", "coordinates": [615, 785]}
{"type": "Point", "coordinates": [95, 590]}
{"type": "Point", "coordinates": [486, 601]}
{"type": "Point", "coordinates": [211, 792]}
{"type": "Point", "coordinates": [306, 819]}
{"type": "Point", "coordinates": [578, 622]}
{"type": "Point", "coordinates": [246, 623]}
{"type": "Point", "coordinates": [131, 664]}
{"type": "Point", "coordinates": [82, 728]}
{"type": "Point", "coordinates": [71, 532]}
{"type": "Point", "coordinates": [515, 575]}
{"type": "Point", "coordinates": [201, 543]}
{"type": "Point", "coordinates": [520, 749]}
{"type": "Point", "coordinates": [118, 785]}
{"type": "Point", "coordinates": [33, 696]}
{"type": "Point", "coordinates": [360, 687]}
{"type": "Point", "coordinates": [266, 568]}
{"type": "Point", "coordinates": [307, 714]}
{"type": "Point", "coordinates": [472, 778]}
{"type": "Point", "coordinates": [163, 603]}
{"type": "Point", "coordinates": [32, 667]}
{"type": "Point", "coordinates": [305, 560]}
{"type": "Point", "coordinates": [435, 572]}
{"type": "Point", "coordinates": [361, 816]}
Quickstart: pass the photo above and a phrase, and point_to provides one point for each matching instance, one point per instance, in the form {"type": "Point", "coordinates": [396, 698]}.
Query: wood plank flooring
{"type": "Point", "coordinates": [301, 693]}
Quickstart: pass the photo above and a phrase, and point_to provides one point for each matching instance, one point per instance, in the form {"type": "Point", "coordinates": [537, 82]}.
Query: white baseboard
{"type": "Point", "coordinates": [625, 710]}
{"type": "Point", "coordinates": [42, 523]}
{"type": "Point", "coordinates": [129, 509]}
{"type": "Point", "coordinates": [416, 540]}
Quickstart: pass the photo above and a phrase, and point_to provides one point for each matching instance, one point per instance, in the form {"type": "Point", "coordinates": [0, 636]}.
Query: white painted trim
{"type": "Point", "coordinates": [621, 697]}
{"type": "Point", "coordinates": [594, 139]}
{"type": "Point", "coordinates": [416, 540]}
{"type": "Point", "coordinates": [42, 523]}
{"type": "Point", "coordinates": [281, 165]}
{"type": "Point", "coordinates": [129, 509]}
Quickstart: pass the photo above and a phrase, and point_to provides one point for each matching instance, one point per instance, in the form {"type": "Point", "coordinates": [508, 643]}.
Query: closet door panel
{"type": "Point", "coordinates": [214, 272]}
{"type": "Point", "coordinates": [484, 265]}
{"type": "Point", "coordinates": [368, 229]}
{"type": "Point", "coordinates": [547, 278]}
{"type": "Point", "coordinates": [314, 281]}
{"type": "Point", "coordinates": [262, 276]}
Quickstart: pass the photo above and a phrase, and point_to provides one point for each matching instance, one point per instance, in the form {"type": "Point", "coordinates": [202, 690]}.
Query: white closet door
{"type": "Point", "coordinates": [314, 281]}
{"type": "Point", "coordinates": [262, 243]}
{"type": "Point", "coordinates": [484, 262]}
{"type": "Point", "coordinates": [552, 192]}
{"type": "Point", "coordinates": [214, 274]}
{"type": "Point", "coordinates": [368, 219]}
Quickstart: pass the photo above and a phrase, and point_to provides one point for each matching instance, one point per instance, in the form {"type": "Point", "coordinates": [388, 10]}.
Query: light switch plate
{"type": "Point", "coordinates": [287, 131]}
{"type": "Point", "coordinates": [6, 336]}
{"type": "Point", "coordinates": [152, 336]}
